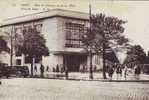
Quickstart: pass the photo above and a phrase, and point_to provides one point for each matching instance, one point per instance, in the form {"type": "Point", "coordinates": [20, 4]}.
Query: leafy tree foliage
{"type": "Point", "coordinates": [105, 31]}
{"type": "Point", "coordinates": [34, 45]}
{"type": "Point", "coordinates": [135, 54]}
{"type": "Point", "coordinates": [3, 45]}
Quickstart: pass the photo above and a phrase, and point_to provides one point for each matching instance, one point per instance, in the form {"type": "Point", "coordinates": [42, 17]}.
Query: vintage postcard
{"type": "Point", "coordinates": [74, 50]}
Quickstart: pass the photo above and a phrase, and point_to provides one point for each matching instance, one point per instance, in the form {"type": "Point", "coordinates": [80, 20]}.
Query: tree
{"type": "Point", "coordinates": [34, 45]}
{"type": "Point", "coordinates": [135, 54]}
{"type": "Point", "coordinates": [10, 37]}
{"type": "Point", "coordinates": [3, 45]}
{"type": "Point", "coordinates": [104, 31]}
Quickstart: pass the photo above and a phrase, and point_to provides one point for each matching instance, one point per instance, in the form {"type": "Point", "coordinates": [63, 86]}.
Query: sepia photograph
{"type": "Point", "coordinates": [74, 50]}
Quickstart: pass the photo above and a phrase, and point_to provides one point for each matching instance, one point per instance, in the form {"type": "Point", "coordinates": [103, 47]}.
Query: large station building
{"type": "Point", "coordinates": [62, 30]}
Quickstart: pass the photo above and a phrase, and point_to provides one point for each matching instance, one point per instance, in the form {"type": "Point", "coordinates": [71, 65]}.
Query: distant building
{"type": "Point", "coordinates": [62, 30]}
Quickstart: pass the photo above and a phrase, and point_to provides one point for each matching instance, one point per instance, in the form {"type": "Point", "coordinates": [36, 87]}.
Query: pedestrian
{"type": "Point", "coordinates": [57, 70]}
{"type": "Point", "coordinates": [137, 72]}
{"type": "Point", "coordinates": [42, 70]}
{"type": "Point", "coordinates": [53, 69]}
{"type": "Point", "coordinates": [81, 68]}
{"type": "Point", "coordinates": [35, 70]}
{"type": "Point", "coordinates": [95, 68]}
{"type": "Point", "coordinates": [110, 72]}
{"type": "Point", "coordinates": [125, 72]}
{"type": "Point", "coordinates": [62, 69]}
{"type": "Point", "coordinates": [119, 72]}
{"type": "Point", "coordinates": [47, 71]}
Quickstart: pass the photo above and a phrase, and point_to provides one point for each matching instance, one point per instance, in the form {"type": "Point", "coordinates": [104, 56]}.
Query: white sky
{"type": "Point", "coordinates": [135, 12]}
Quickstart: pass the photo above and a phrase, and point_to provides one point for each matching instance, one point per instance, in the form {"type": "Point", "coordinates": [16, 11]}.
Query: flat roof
{"type": "Point", "coordinates": [46, 14]}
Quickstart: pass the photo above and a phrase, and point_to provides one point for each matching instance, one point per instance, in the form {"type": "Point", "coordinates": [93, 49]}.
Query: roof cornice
{"type": "Point", "coordinates": [46, 14]}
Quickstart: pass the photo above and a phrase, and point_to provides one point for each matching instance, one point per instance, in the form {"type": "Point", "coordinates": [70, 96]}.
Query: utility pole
{"type": "Point", "coordinates": [90, 50]}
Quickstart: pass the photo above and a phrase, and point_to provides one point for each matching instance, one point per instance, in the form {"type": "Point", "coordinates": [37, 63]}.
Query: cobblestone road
{"type": "Point", "coordinates": [48, 89]}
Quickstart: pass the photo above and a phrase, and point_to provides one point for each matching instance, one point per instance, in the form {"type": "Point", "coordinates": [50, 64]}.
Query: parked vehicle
{"type": "Point", "coordinates": [22, 71]}
{"type": "Point", "coordinates": [4, 70]}
{"type": "Point", "coordinates": [15, 71]}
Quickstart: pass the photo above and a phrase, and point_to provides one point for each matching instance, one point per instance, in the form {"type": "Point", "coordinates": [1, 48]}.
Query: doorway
{"type": "Point", "coordinates": [73, 62]}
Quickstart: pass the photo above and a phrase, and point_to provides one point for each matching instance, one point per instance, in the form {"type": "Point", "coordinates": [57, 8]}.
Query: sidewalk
{"type": "Point", "coordinates": [97, 77]}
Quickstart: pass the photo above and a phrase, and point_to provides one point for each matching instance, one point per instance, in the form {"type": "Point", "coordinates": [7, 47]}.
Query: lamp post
{"type": "Point", "coordinates": [89, 49]}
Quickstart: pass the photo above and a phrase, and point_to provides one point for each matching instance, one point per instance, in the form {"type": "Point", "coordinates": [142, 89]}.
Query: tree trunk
{"type": "Point", "coordinates": [104, 63]}
{"type": "Point", "coordinates": [32, 65]}
{"type": "Point", "coordinates": [91, 66]}
{"type": "Point", "coordinates": [11, 47]}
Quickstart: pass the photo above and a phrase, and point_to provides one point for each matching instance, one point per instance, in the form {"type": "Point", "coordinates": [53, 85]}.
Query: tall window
{"type": "Point", "coordinates": [74, 32]}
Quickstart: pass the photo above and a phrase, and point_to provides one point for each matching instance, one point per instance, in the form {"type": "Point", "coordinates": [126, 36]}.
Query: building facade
{"type": "Point", "coordinates": [62, 30]}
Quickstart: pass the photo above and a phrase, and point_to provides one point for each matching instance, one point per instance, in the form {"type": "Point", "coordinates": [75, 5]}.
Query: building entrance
{"type": "Point", "coordinates": [73, 62]}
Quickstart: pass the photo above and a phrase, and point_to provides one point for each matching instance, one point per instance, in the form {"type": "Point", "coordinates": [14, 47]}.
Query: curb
{"type": "Point", "coordinates": [126, 80]}
{"type": "Point", "coordinates": [73, 79]}
{"type": "Point", "coordinates": [100, 80]}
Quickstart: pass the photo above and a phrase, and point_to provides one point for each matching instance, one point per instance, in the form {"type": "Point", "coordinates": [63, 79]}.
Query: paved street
{"type": "Point", "coordinates": [49, 89]}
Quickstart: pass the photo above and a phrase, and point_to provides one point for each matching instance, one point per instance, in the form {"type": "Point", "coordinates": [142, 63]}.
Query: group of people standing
{"type": "Point", "coordinates": [122, 71]}
{"type": "Point", "coordinates": [117, 69]}
{"type": "Point", "coordinates": [42, 70]}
